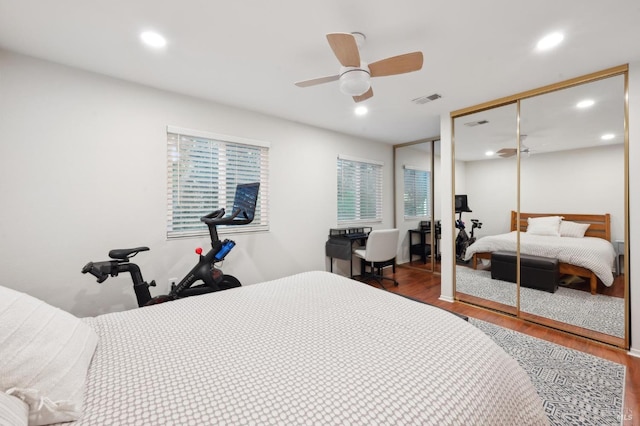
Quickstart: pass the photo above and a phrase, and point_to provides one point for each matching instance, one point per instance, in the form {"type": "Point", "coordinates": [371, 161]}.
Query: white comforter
{"type": "Point", "coordinates": [313, 348]}
{"type": "Point", "coordinates": [592, 253]}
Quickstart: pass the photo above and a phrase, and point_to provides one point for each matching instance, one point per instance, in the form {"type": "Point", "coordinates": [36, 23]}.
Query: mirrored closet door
{"type": "Point", "coordinates": [417, 168]}
{"type": "Point", "coordinates": [572, 165]}
{"type": "Point", "coordinates": [552, 200]}
{"type": "Point", "coordinates": [486, 174]}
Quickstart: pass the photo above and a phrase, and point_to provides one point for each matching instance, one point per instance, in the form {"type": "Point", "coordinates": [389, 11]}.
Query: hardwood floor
{"type": "Point", "coordinates": [425, 286]}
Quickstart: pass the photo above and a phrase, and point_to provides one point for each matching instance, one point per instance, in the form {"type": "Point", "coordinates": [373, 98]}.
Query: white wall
{"type": "Point", "coordinates": [634, 203]}
{"type": "Point", "coordinates": [491, 188]}
{"type": "Point", "coordinates": [447, 263]}
{"type": "Point", "coordinates": [579, 181]}
{"type": "Point", "coordinates": [83, 170]}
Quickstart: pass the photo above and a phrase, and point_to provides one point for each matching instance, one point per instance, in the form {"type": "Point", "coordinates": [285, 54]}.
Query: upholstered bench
{"type": "Point", "coordinates": [540, 273]}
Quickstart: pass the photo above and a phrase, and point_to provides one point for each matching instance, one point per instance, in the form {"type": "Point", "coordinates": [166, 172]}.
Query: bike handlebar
{"type": "Point", "coordinates": [217, 218]}
{"type": "Point", "coordinates": [100, 270]}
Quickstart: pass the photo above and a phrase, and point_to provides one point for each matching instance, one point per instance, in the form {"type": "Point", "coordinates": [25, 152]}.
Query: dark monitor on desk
{"type": "Point", "coordinates": [461, 204]}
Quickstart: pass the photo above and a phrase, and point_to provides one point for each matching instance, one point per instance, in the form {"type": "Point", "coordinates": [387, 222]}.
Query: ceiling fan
{"type": "Point", "coordinates": [355, 75]}
{"type": "Point", "coordinates": [510, 152]}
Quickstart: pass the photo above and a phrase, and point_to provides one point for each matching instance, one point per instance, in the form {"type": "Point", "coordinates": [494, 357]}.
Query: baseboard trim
{"type": "Point", "coordinates": [446, 299]}
{"type": "Point", "coordinates": [634, 352]}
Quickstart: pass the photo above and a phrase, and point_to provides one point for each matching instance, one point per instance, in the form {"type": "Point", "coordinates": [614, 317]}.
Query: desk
{"type": "Point", "coordinates": [423, 247]}
{"type": "Point", "coordinates": [340, 244]}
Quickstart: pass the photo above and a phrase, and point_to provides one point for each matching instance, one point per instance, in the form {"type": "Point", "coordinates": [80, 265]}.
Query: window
{"type": "Point", "coordinates": [359, 190]}
{"type": "Point", "coordinates": [203, 170]}
{"type": "Point", "coordinates": [417, 198]}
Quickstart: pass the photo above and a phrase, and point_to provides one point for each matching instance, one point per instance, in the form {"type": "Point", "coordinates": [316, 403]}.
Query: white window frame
{"type": "Point", "coordinates": [200, 181]}
{"type": "Point", "coordinates": [413, 184]}
{"type": "Point", "coordinates": [357, 177]}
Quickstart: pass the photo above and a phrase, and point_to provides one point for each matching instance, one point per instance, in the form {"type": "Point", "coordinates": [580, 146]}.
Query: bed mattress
{"type": "Point", "coordinates": [313, 348]}
{"type": "Point", "coordinates": [595, 254]}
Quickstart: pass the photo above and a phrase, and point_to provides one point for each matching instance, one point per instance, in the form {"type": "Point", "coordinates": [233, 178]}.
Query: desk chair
{"type": "Point", "coordinates": [382, 246]}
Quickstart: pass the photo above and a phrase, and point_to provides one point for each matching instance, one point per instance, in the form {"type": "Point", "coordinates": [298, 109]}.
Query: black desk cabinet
{"type": "Point", "coordinates": [420, 246]}
{"type": "Point", "coordinates": [339, 248]}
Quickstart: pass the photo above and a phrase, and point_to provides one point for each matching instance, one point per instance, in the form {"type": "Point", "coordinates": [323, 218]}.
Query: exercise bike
{"type": "Point", "coordinates": [464, 240]}
{"type": "Point", "coordinates": [212, 279]}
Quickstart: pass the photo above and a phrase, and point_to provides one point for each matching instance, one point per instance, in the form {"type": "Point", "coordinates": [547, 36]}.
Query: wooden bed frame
{"type": "Point", "coordinates": [600, 227]}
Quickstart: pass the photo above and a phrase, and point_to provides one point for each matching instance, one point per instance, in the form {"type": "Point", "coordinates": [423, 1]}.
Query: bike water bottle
{"type": "Point", "coordinates": [227, 245]}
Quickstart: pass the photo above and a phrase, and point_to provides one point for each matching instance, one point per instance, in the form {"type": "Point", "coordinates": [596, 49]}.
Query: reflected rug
{"type": "Point", "coordinates": [576, 388]}
{"type": "Point", "coordinates": [580, 308]}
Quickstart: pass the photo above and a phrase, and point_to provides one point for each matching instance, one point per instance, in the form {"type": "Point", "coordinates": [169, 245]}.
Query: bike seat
{"type": "Point", "coordinates": [124, 254]}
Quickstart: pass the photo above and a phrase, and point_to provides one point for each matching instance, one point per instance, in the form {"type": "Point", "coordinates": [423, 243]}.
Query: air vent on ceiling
{"type": "Point", "coordinates": [476, 123]}
{"type": "Point", "coordinates": [425, 99]}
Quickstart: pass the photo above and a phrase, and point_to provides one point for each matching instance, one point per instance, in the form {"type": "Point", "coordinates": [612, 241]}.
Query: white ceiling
{"type": "Point", "coordinates": [249, 53]}
{"type": "Point", "coordinates": [548, 123]}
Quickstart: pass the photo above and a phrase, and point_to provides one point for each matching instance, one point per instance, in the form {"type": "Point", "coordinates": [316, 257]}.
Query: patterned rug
{"type": "Point", "coordinates": [580, 308]}
{"type": "Point", "coordinates": [576, 388]}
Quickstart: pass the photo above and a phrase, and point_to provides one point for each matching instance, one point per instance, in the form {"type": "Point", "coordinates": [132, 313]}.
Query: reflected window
{"type": "Point", "coordinates": [417, 198]}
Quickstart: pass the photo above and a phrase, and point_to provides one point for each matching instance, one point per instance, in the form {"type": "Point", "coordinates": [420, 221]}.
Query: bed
{"type": "Point", "coordinates": [590, 257]}
{"type": "Point", "coordinates": [312, 348]}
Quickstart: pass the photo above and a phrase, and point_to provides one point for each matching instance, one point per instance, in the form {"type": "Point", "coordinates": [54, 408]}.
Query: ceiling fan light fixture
{"type": "Point", "coordinates": [361, 110]}
{"type": "Point", "coordinates": [354, 81]}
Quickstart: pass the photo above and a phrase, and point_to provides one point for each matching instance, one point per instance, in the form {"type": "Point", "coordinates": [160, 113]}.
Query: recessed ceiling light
{"type": "Point", "coordinates": [607, 137]}
{"type": "Point", "coordinates": [489, 153]}
{"type": "Point", "coordinates": [585, 104]}
{"type": "Point", "coordinates": [361, 110]}
{"type": "Point", "coordinates": [550, 41]}
{"type": "Point", "coordinates": [153, 39]}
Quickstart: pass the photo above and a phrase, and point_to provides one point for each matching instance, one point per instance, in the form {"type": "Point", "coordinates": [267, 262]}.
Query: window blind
{"type": "Point", "coordinates": [203, 171]}
{"type": "Point", "coordinates": [359, 190]}
{"type": "Point", "coordinates": [417, 196]}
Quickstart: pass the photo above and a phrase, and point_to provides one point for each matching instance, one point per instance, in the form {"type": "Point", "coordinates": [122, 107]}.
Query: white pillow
{"type": "Point", "coordinates": [573, 229]}
{"type": "Point", "coordinates": [13, 411]}
{"type": "Point", "coordinates": [546, 225]}
{"type": "Point", "coordinates": [44, 357]}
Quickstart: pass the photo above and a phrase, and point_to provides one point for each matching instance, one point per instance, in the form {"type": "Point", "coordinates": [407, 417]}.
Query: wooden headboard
{"type": "Point", "coordinates": [599, 224]}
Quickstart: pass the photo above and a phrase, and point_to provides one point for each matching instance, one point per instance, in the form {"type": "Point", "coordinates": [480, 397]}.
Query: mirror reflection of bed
{"type": "Point", "coordinates": [580, 242]}
{"type": "Point", "coordinates": [586, 293]}
{"type": "Point", "coordinates": [571, 163]}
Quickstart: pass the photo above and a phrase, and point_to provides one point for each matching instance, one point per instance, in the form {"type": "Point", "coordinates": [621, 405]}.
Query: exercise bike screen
{"type": "Point", "coordinates": [246, 199]}
{"type": "Point", "coordinates": [462, 204]}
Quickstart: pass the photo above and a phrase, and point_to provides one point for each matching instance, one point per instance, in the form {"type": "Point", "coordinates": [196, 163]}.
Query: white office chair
{"type": "Point", "coordinates": [382, 246]}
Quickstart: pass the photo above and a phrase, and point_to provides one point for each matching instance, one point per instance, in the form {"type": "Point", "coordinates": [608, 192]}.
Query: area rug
{"type": "Point", "coordinates": [576, 388]}
{"type": "Point", "coordinates": [596, 312]}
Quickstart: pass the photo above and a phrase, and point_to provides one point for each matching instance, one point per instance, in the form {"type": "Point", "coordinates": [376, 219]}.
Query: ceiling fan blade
{"type": "Point", "coordinates": [507, 152]}
{"type": "Point", "coordinates": [314, 81]}
{"type": "Point", "coordinates": [345, 48]}
{"type": "Point", "coordinates": [366, 95]}
{"type": "Point", "coordinates": [397, 64]}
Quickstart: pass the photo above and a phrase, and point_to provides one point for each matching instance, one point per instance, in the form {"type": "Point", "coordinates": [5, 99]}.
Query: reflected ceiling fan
{"type": "Point", "coordinates": [510, 152]}
{"type": "Point", "coordinates": [355, 75]}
